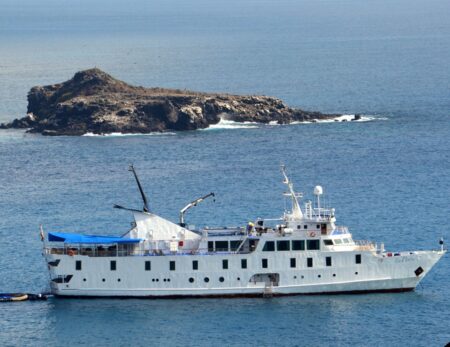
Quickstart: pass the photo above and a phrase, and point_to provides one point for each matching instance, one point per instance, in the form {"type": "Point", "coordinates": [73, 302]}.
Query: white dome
{"type": "Point", "coordinates": [318, 190]}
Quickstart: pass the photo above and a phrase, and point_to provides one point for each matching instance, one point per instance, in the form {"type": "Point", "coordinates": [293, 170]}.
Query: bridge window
{"type": "Point", "coordinates": [298, 245]}
{"type": "Point", "coordinates": [299, 226]}
{"type": "Point", "coordinates": [328, 242]}
{"type": "Point", "coordinates": [234, 245]}
{"type": "Point", "coordinates": [269, 246]}
{"type": "Point", "coordinates": [264, 263]}
{"type": "Point", "coordinates": [148, 265]}
{"type": "Point", "coordinates": [244, 263]}
{"type": "Point", "coordinates": [313, 245]}
{"type": "Point", "coordinates": [225, 264]}
{"type": "Point", "coordinates": [210, 246]}
{"type": "Point", "coordinates": [113, 265]}
{"type": "Point", "coordinates": [283, 245]}
{"type": "Point", "coordinates": [221, 246]}
{"type": "Point", "coordinates": [172, 265]}
{"type": "Point", "coordinates": [358, 258]}
{"type": "Point", "coordinates": [78, 265]}
{"type": "Point", "coordinates": [195, 265]}
{"type": "Point", "coordinates": [293, 262]}
{"type": "Point", "coordinates": [328, 261]}
{"type": "Point", "coordinates": [309, 262]}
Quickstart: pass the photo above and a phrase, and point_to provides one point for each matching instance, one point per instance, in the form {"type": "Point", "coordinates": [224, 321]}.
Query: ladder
{"type": "Point", "coordinates": [268, 292]}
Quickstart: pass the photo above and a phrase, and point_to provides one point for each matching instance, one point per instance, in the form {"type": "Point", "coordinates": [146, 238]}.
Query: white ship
{"type": "Point", "coordinates": [304, 252]}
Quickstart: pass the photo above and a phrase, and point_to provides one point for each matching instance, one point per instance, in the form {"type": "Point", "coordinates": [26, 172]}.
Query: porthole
{"type": "Point", "coordinates": [334, 275]}
{"type": "Point", "coordinates": [221, 279]}
{"type": "Point", "coordinates": [164, 280]}
{"type": "Point", "coordinates": [206, 279]}
{"type": "Point", "coordinates": [356, 272]}
{"type": "Point", "coordinates": [319, 276]}
{"type": "Point", "coordinates": [103, 280]}
{"type": "Point", "coordinates": [153, 280]}
{"type": "Point", "coordinates": [191, 280]}
{"type": "Point", "coordinates": [295, 277]}
{"type": "Point", "coordinates": [118, 280]}
{"type": "Point", "coordinates": [168, 280]}
{"type": "Point", "coordinates": [84, 279]}
{"type": "Point", "coordinates": [238, 278]}
{"type": "Point", "coordinates": [303, 277]}
{"type": "Point", "coordinates": [157, 280]}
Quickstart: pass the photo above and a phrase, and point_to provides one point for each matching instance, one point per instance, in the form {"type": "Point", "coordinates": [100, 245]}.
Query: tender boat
{"type": "Point", "coordinates": [303, 252]}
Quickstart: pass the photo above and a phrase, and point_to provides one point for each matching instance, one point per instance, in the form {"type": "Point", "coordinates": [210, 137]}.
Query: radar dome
{"type": "Point", "coordinates": [318, 190]}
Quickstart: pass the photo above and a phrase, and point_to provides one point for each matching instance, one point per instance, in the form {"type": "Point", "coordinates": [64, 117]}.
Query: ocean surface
{"type": "Point", "coordinates": [387, 177]}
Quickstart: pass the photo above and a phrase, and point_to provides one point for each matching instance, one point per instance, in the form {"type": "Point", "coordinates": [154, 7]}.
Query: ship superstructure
{"type": "Point", "coordinates": [303, 252]}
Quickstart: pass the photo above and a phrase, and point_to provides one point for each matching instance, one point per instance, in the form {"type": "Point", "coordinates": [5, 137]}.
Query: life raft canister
{"type": "Point", "coordinates": [180, 243]}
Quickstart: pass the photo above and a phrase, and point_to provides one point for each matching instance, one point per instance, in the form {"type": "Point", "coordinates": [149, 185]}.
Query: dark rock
{"type": "Point", "coordinates": [93, 101]}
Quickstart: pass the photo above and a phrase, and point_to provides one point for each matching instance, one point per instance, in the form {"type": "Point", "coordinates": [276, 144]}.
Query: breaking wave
{"type": "Point", "coordinates": [229, 124]}
{"type": "Point", "coordinates": [129, 134]}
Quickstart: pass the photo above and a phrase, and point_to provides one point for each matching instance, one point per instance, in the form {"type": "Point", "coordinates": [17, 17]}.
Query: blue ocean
{"type": "Point", "coordinates": [388, 177]}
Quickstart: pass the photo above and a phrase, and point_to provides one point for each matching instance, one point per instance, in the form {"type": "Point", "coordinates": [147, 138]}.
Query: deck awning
{"type": "Point", "coordinates": [79, 238]}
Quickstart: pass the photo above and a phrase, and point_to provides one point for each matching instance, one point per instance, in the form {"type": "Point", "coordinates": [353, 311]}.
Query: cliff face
{"type": "Point", "coordinates": [93, 101]}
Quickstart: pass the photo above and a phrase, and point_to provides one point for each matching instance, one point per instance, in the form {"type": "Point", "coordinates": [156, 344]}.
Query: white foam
{"type": "Point", "coordinates": [345, 118]}
{"type": "Point", "coordinates": [129, 134]}
{"type": "Point", "coordinates": [229, 124]}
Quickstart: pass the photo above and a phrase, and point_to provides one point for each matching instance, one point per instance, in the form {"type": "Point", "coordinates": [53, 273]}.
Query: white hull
{"type": "Point", "coordinates": [377, 273]}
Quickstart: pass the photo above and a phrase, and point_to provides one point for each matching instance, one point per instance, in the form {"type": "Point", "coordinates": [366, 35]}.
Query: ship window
{"type": "Point", "coordinates": [283, 245]}
{"type": "Point", "coordinates": [305, 227]}
{"type": "Point", "coordinates": [206, 279]}
{"type": "Point", "coordinates": [225, 264]}
{"type": "Point", "coordinates": [318, 226]}
{"type": "Point", "coordinates": [210, 246]}
{"type": "Point", "coordinates": [195, 265]}
{"type": "Point", "coordinates": [221, 246]}
{"type": "Point", "coordinates": [337, 241]}
{"type": "Point", "coordinates": [269, 246]}
{"type": "Point", "coordinates": [293, 262]}
{"type": "Point", "coordinates": [346, 240]}
{"type": "Point", "coordinates": [78, 265]}
{"type": "Point", "coordinates": [264, 263]}
{"type": "Point", "coordinates": [234, 245]}
{"type": "Point", "coordinates": [191, 280]}
{"type": "Point", "coordinates": [313, 245]}
{"type": "Point", "coordinates": [172, 265]}
{"type": "Point", "coordinates": [358, 258]}
{"type": "Point", "coordinates": [328, 242]}
{"type": "Point", "coordinates": [113, 265]}
{"type": "Point", "coordinates": [148, 265]}
{"type": "Point", "coordinates": [298, 245]}
{"type": "Point", "coordinates": [221, 279]}
{"type": "Point", "coordinates": [328, 261]}
{"type": "Point", "coordinates": [299, 226]}
{"type": "Point", "coordinates": [309, 262]}
{"type": "Point", "coordinates": [244, 263]}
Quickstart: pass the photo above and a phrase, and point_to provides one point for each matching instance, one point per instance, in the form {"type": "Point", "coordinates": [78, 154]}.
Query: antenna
{"type": "Point", "coordinates": [141, 190]}
{"type": "Point", "coordinates": [296, 210]}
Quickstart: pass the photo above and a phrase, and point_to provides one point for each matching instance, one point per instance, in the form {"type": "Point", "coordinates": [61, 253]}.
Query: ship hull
{"type": "Point", "coordinates": [376, 273]}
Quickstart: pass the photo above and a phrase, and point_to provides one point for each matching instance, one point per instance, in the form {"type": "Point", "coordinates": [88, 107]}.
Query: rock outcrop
{"type": "Point", "coordinates": [94, 102]}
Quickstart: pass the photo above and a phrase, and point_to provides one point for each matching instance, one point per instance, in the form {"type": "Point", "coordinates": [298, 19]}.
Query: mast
{"type": "Point", "coordinates": [296, 210]}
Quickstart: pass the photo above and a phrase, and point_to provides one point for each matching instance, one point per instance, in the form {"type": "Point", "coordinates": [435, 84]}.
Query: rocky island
{"type": "Point", "coordinates": [95, 102]}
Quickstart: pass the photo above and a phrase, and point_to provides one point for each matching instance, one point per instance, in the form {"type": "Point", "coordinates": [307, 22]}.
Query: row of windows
{"type": "Point", "coordinates": [264, 263]}
{"type": "Point", "coordinates": [295, 245]}
{"type": "Point", "coordinates": [318, 226]}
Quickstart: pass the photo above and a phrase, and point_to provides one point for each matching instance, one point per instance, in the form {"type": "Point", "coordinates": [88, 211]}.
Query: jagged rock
{"type": "Point", "coordinates": [93, 101]}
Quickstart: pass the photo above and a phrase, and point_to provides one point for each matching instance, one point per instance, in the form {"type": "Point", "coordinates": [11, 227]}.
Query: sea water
{"type": "Point", "coordinates": [387, 177]}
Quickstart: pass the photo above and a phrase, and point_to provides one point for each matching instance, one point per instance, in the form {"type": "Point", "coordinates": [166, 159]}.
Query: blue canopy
{"type": "Point", "coordinates": [78, 238]}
